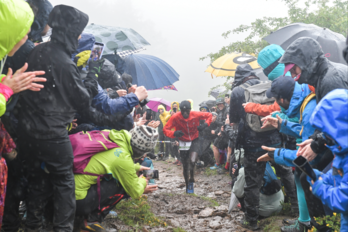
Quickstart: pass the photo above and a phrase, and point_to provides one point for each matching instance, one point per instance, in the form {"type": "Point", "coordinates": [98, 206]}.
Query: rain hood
{"type": "Point", "coordinates": [306, 53]}
{"type": "Point", "coordinates": [165, 116]}
{"type": "Point", "coordinates": [67, 24]}
{"type": "Point", "coordinates": [16, 18]}
{"type": "Point", "coordinates": [243, 71]}
{"type": "Point", "coordinates": [44, 9]}
{"type": "Point", "coordinates": [175, 102]}
{"type": "Point", "coordinates": [330, 116]}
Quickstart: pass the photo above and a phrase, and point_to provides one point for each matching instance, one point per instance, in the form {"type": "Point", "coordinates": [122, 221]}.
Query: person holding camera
{"type": "Point", "coordinates": [119, 176]}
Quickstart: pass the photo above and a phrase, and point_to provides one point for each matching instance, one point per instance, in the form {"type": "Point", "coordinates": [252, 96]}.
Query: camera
{"type": "Point", "coordinates": [151, 174]}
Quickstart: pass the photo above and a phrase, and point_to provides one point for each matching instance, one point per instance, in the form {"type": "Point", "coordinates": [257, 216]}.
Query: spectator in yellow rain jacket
{"type": "Point", "coordinates": [163, 140]}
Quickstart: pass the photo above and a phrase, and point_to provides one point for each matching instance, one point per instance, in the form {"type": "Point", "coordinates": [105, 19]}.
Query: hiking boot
{"type": "Point", "coordinates": [179, 163]}
{"type": "Point", "coordinates": [190, 189]}
{"type": "Point", "coordinates": [215, 167]}
{"type": "Point", "coordinates": [297, 227]}
{"type": "Point", "coordinates": [288, 221]}
{"type": "Point", "coordinates": [93, 227]}
{"type": "Point", "coordinates": [249, 225]}
{"type": "Point", "coordinates": [221, 171]}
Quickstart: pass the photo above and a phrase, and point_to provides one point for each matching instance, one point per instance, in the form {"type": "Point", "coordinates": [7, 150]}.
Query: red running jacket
{"type": "Point", "coordinates": [187, 126]}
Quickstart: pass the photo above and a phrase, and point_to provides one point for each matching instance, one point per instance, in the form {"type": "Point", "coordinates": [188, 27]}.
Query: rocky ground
{"type": "Point", "coordinates": [206, 210]}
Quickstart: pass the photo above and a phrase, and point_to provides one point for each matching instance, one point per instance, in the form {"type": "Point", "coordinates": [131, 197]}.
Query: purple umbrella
{"type": "Point", "coordinates": [155, 102]}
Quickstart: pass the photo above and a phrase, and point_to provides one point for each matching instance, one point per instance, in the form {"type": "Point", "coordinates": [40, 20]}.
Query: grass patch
{"type": "Point", "coordinates": [212, 201]}
{"type": "Point", "coordinates": [137, 213]}
{"type": "Point", "coordinates": [210, 172]}
{"type": "Point", "coordinates": [271, 224]}
{"type": "Point", "coordinates": [179, 230]}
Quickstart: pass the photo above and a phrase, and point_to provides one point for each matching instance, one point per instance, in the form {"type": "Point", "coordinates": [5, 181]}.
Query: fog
{"type": "Point", "coordinates": [180, 32]}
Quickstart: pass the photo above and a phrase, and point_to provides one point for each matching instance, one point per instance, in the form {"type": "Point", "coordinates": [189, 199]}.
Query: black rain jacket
{"type": "Point", "coordinates": [317, 70]}
{"type": "Point", "coordinates": [47, 113]}
{"type": "Point", "coordinates": [251, 140]}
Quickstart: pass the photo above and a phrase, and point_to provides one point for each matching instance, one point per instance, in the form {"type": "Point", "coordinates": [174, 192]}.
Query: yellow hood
{"type": "Point", "coordinates": [16, 18]}
{"type": "Point", "coordinates": [165, 116]}
{"type": "Point", "coordinates": [174, 102]}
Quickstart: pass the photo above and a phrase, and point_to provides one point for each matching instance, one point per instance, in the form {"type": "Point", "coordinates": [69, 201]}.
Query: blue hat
{"type": "Point", "coordinates": [268, 59]}
{"type": "Point", "coordinates": [282, 87]}
{"type": "Point", "coordinates": [330, 116]}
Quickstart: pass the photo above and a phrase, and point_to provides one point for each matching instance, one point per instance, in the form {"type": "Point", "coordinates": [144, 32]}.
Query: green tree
{"type": "Point", "coordinates": [325, 13]}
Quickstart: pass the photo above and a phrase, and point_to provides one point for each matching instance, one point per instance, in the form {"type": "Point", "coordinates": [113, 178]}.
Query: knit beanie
{"type": "Point", "coordinates": [143, 138]}
{"type": "Point", "coordinates": [268, 58]}
{"type": "Point", "coordinates": [185, 105]}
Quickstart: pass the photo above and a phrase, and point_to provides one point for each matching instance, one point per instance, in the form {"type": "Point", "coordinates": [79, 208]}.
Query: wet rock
{"type": "Point", "coordinates": [220, 213]}
{"type": "Point", "coordinates": [145, 230]}
{"type": "Point", "coordinates": [208, 212]}
{"type": "Point", "coordinates": [180, 211]}
{"type": "Point", "coordinates": [215, 225]}
{"type": "Point", "coordinates": [222, 208]}
{"type": "Point", "coordinates": [174, 223]}
{"type": "Point", "coordinates": [211, 195]}
{"type": "Point", "coordinates": [225, 195]}
{"type": "Point", "coordinates": [201, 207]}
{"type": "Point", "coordinates": [217, 218]}
{"type": "Point", "coordinates": [219, 193]}
{"type": "Point", "coordinates": [196, 211]}
{"type": "Point", "coordinates": [181, 185]}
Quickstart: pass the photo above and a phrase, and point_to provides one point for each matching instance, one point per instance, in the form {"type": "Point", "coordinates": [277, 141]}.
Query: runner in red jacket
{"type": "Point", "coordinates": [187, 125]}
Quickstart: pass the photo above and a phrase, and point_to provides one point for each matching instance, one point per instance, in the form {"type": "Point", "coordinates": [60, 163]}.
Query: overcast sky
{"type": "Point", "coordinates": [180, 32]}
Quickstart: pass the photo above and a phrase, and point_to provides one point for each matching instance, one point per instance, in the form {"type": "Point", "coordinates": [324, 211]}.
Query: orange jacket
{"type": "Point", "coordinates": [261, 110]}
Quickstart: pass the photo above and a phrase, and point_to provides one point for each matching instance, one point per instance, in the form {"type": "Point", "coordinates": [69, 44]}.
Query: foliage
{"type": "Point", "coordinates": [212, 201]}
{"type": "Point", "coordinates": [333, 222]}
{"type": "Point", "coordinates": [330, 14]}
{"type": "Point", "coordinates": [179, 230]}
{"type": "Point", "coordinates": [210, 172]}
{"type": "Point", "coordinates": [136, 212]}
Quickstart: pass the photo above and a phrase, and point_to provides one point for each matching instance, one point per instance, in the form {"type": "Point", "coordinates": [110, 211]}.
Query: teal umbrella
{"type": "Point", "coordinates": [123, 41]}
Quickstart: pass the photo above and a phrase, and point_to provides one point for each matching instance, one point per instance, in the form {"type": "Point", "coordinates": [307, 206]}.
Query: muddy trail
{"type": "Point", "coordinates": [206, 210]}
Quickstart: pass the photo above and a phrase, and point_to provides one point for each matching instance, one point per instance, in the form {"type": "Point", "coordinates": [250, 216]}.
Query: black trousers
{"type": "Point", "coordinates": [59, 183]}
{"type": "Point", "coordinates": [174, 150]}
{"type": "Point", "coordinates": [254, 172]}
{"type": "Point", "coordinates": [111, 193]}
{"type": "Point", "coordinates": [314, 204]}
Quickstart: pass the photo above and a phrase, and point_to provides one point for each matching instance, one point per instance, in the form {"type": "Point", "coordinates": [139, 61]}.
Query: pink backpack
{"type": "Point", "coordinates": [86, 145]}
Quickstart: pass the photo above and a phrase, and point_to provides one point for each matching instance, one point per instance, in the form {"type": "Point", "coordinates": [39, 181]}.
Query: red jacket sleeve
{"type": "Point", "coordinates": [167, 129]}
{"type": "Point", "coordinates": [208, 117]}
{"type": "Point", "coordinates": [261, 110]}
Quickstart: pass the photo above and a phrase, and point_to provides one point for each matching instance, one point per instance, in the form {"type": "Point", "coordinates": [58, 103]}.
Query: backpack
{"type": "Point", "coordinates": [86, 145]}
{"type": "Point", "coordinates": [271, 183]}
{"type": "Point", "coordinates": [257, 94]}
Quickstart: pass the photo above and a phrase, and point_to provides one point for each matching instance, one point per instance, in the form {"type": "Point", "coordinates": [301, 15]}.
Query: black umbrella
{"type": "Point", "coordinates": [331, 42]}
{"type": "Point", "coordinates": [209, 103]}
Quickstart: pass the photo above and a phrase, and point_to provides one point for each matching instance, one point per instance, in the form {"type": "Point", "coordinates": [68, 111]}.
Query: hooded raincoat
{"type": "Point", "coordinates": [15, 19]}
{"type": "Point", "coordinates": [330, 117]}
{"type": "Point", "coordinates": [317, 70]}
{"type": "Point", "coordinates": [172, 104]}
{"type": "Point", "coordinates": [41, 18]}
{"type": "Point", "coordinates": [252, 140]}
{"type": "Point", "coordinates": [165, 116]}
{"type": "Point", "coordinates": [117, 162]}
{"type": "Point", "coordinates": [303, 129]}
{"type": "Point", "coordinates": [46, 114]}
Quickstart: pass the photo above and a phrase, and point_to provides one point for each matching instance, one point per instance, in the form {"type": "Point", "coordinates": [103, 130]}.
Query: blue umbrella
{"type": "Point", "coordinates": [149, 71]}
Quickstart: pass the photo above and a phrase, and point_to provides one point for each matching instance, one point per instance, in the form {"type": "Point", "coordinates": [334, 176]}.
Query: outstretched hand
{"type": "Point", "coordinates": [22, 80]}
{"type": "Point", "coordinates": [266, 157]}
{"type": "Point", "coordinates": [270, 121]}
